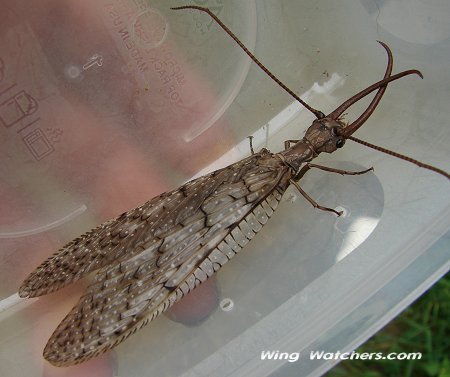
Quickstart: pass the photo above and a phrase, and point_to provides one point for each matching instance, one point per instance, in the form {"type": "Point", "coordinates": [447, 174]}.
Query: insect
{"type": "Point", "coordinates": [150, 257]}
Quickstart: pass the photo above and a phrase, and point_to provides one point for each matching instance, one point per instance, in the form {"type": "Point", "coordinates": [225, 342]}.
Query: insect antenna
{"type": "Point", "coordinates": [399, 155]}
{"type": "Point", "coordinates": [335, 114]}
{"type": "Point", "coordinates": [319, 114]}
{"type": "Point", "coordinates": [351, 128]}
{"type": "Point", "coordinates": [376, 100]}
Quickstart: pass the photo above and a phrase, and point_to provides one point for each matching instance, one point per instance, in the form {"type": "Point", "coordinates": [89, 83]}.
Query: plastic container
{"type": "Point", "coordinates": [105, 106]}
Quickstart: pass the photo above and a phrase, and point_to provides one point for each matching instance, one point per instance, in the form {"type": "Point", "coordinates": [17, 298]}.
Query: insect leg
{"type": "Point", "coordinates": [250, 138]}
{"type": "Point", "coordinates": [312, 201]}
{"type": "Point", "coordinates": [339, 171]}
{"type": "Point", "coordinates": [288, 143]}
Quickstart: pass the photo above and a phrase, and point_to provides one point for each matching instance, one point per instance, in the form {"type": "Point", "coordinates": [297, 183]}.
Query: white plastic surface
{"type": "Point", "coordinates": [87, 132]}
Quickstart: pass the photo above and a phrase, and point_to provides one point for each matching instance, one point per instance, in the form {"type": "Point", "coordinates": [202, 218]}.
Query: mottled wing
{"type": "Point", "coordinates": [183, 248]}
{"type": "Point", "coordinates": [122, 237]}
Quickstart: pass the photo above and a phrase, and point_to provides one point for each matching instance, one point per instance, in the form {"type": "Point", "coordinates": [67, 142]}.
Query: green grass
{"type": "Point", "coordinates": [423, 327]}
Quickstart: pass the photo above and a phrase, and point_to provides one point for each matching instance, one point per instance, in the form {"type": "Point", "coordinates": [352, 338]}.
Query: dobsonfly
{"type": "Point", "coordinates": [150, 257]}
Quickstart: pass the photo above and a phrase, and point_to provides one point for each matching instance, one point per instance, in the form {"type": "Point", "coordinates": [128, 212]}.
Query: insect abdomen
{"type": "Point", "coordinates": [239, 236]}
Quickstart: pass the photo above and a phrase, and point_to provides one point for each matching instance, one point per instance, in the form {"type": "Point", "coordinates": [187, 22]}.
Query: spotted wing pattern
{"type": "Point", "coordinates": [150, 261]}
{"type": "Point", "coordinates": [123, 237]}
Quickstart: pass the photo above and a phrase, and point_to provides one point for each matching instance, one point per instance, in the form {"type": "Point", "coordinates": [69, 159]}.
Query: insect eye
{"type": "Point", "coordinates": [340, 142]}
{"type": "Point", "coordinates": [335, 131]}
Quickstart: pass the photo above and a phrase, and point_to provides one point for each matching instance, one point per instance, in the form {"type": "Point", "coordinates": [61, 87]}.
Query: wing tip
{"type": "Point", "coordinates": [34, 287]}
{"type": "Point", "coordinates": [60, 357]}
{"type": "Point", "coordinates": [24, 291]}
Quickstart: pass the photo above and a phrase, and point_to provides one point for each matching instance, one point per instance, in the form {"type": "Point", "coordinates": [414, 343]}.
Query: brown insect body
{"type": "Point", "coordinates": [150, 257]}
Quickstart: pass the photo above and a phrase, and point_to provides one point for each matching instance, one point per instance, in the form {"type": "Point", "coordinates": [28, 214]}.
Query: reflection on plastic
{"type": "Point", "coordinates": [150, 28]}
{"type": "Point", "coordinates": [355, 234]}
{"type": "Point", "coordinates": [44, 228]}
{"type": "Point", "coordinates": [261, 136]}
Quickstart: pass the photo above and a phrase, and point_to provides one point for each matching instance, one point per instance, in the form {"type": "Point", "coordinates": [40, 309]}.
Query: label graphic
{"type": "Point", "coordinates": [17, 108]}
{"type": "Point", "coordinates": [38, 144]}
{"type": "Point", "coordinates": [95, 59]}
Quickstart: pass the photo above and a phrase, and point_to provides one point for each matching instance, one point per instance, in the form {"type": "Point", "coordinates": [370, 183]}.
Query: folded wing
{"type": "Point", "coordinates": [189, 235]}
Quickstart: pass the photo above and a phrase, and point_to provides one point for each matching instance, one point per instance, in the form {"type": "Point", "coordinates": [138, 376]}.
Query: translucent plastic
{"type": "Point", "coordinates": [106, 104]}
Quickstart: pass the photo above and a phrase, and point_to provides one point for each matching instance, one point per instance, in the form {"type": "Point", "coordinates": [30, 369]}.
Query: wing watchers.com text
{"type": "Point", "coordinates": [322, 355]}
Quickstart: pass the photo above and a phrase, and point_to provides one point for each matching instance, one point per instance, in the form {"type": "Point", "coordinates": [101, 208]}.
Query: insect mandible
{"type": "Point", "coordinates": [150, 257]}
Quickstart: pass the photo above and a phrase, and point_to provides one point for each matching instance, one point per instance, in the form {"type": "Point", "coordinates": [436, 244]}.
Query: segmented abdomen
{"type": "Point", "coordinates": [237, 238]}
